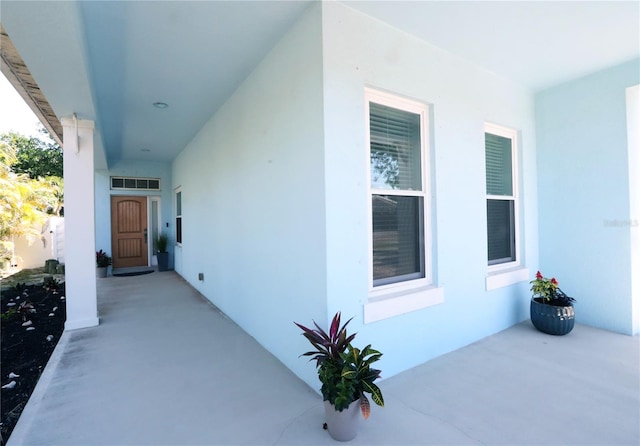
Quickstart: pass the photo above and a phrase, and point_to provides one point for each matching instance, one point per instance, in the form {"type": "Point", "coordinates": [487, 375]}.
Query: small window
{"type": "Point", "coordinates": [397, 190]}
{"type": "Point", "coordinates": [135, 183]}
{"type": "Point", "coordinates": [142, 184]}
{"type": "Point", "coordinates": [502, 197]}
{"type": "Point", "coordinates": [179, 217]}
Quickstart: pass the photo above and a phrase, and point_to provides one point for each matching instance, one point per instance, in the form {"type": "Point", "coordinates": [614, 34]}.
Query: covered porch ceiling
{"type": "Point", "coordinates": [112, 61]}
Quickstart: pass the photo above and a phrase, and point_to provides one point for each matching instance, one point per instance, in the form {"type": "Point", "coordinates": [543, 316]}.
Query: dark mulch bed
{"type": "Point", "coordinates": [26, 352]}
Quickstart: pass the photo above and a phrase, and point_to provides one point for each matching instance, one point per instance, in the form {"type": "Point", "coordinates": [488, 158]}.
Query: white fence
{"type": "Point", "coordinates": [49, 246]}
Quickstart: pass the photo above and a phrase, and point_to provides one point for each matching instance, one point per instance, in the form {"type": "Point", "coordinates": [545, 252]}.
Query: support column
{"type": "Point", "coordinates": [79, 224]}
{"type": "Point", "coordinates": [633, 141]}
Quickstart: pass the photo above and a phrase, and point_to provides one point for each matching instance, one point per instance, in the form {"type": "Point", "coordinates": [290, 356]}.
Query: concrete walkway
{"type": "Point", "coordinates": [166, 368]}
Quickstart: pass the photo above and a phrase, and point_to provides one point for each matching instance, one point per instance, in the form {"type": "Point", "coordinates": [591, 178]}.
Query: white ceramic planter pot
{"type": "Point", "coordinates": [343, 426]}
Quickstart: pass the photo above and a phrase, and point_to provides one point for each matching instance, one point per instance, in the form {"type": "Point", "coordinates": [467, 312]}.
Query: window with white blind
{"type": "Point", "coordinates": [179, 216]}
{"type": "Point", "coordinates": [398, 198]}
{"type": "Point", "coordinates": [502, 196]}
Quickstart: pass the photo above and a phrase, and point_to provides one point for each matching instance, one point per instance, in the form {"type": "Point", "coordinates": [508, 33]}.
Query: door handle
{"type": "Point", "coordinates": [145, 235]}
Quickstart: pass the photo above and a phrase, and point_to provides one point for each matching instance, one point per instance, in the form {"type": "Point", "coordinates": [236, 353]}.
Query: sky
{"type": "Point", "coordinates": [15, 114]}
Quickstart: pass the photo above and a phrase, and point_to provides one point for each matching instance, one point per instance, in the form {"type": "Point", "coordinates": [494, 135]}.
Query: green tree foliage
{"type": "Point", "coordinates": [40, 159]}
{"type": "Point", "coordinates": [25, 203]}
{"type": "Point", "coordinates": [35, 157]}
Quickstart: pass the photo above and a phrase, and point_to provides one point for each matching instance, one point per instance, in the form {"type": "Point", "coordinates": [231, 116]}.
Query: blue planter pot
{"type": "Point", "coordinates": [552, 319]}
{"type": "Point", "coordinates": [163, 261]}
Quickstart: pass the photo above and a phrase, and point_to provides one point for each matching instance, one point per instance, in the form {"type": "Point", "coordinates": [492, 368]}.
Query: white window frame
{"type": "Point", "coordinates": [508, 273]}
{"type": "Point", "coordinates": [401, 297]}
{"type": "Point", "coordinates": [150, 246]}
{"type": "Point", "coordinates": [178, 190]}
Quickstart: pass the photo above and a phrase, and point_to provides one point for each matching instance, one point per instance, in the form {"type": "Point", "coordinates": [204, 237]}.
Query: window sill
{"type": "Point", "coordinates": [400, 303]}
{"type": "Point", "coordinates": [501, 279]}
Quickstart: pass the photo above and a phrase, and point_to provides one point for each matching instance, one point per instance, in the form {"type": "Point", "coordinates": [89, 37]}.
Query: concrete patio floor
{"type": "Point", "coordinates": [166, 367]}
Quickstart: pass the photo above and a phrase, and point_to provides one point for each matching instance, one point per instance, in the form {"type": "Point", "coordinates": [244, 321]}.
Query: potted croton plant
{"type": "Point", "coordinates": [552, 310]}
{"type": "Point", "coordinates": [103, 260]}
{"type": "Point", "coordinates": [346, 376]}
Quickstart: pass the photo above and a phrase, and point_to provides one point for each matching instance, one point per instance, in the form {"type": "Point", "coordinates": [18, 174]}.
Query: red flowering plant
{"type": "Point", "coordinates": [547, 291]}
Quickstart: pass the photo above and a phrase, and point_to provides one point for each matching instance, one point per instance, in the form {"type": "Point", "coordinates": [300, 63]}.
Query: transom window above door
{"type": "Point", "coordinates": [131, 183]}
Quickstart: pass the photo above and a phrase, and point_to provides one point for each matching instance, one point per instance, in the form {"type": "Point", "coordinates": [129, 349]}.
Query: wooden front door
{"type": "Point", "coordinates": [129, 231]}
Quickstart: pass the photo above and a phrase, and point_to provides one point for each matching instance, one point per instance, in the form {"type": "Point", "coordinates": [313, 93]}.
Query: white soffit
{"type": "Point", "coordinates": [537, 44]}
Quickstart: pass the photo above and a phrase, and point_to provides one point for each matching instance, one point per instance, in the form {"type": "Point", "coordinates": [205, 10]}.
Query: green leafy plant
{"type": "Point", "coordinates": [162, 240]}
{"type": "Point", "coordinates": [547, 291]}
{"type": "Point", "coordinates": [35, 156]}
{"type": "Point", "coordinates": [344, 371]}
{"type": "Point", "coordinates": [50, 284]}
{"type": "Point", "coordinates": [102, 259]}
{"type": "Point", "coordinates": [24, 202]}
{"type": "Point", "coordinates": [8, 314]}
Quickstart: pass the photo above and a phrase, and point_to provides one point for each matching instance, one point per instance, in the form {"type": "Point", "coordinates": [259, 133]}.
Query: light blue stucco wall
{"type": "Point", "coordinates": [252, 184]}
{"type": "Point", "coordinates": [275, 194]}
{"type": "Point", "coordinates": [585, 230]}
{"type": "Point", "coordinates": [360, 52]}
{"type": "Point", "coordinates": [137, 169]}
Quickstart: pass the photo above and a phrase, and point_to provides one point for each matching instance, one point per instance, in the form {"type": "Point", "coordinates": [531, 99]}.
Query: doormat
{"type": "Point", "coordinates": [137, 273]}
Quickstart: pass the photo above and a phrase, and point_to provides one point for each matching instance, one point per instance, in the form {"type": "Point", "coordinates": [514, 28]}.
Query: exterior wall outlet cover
{"type": "Point", "coordinates": [200, 276]}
